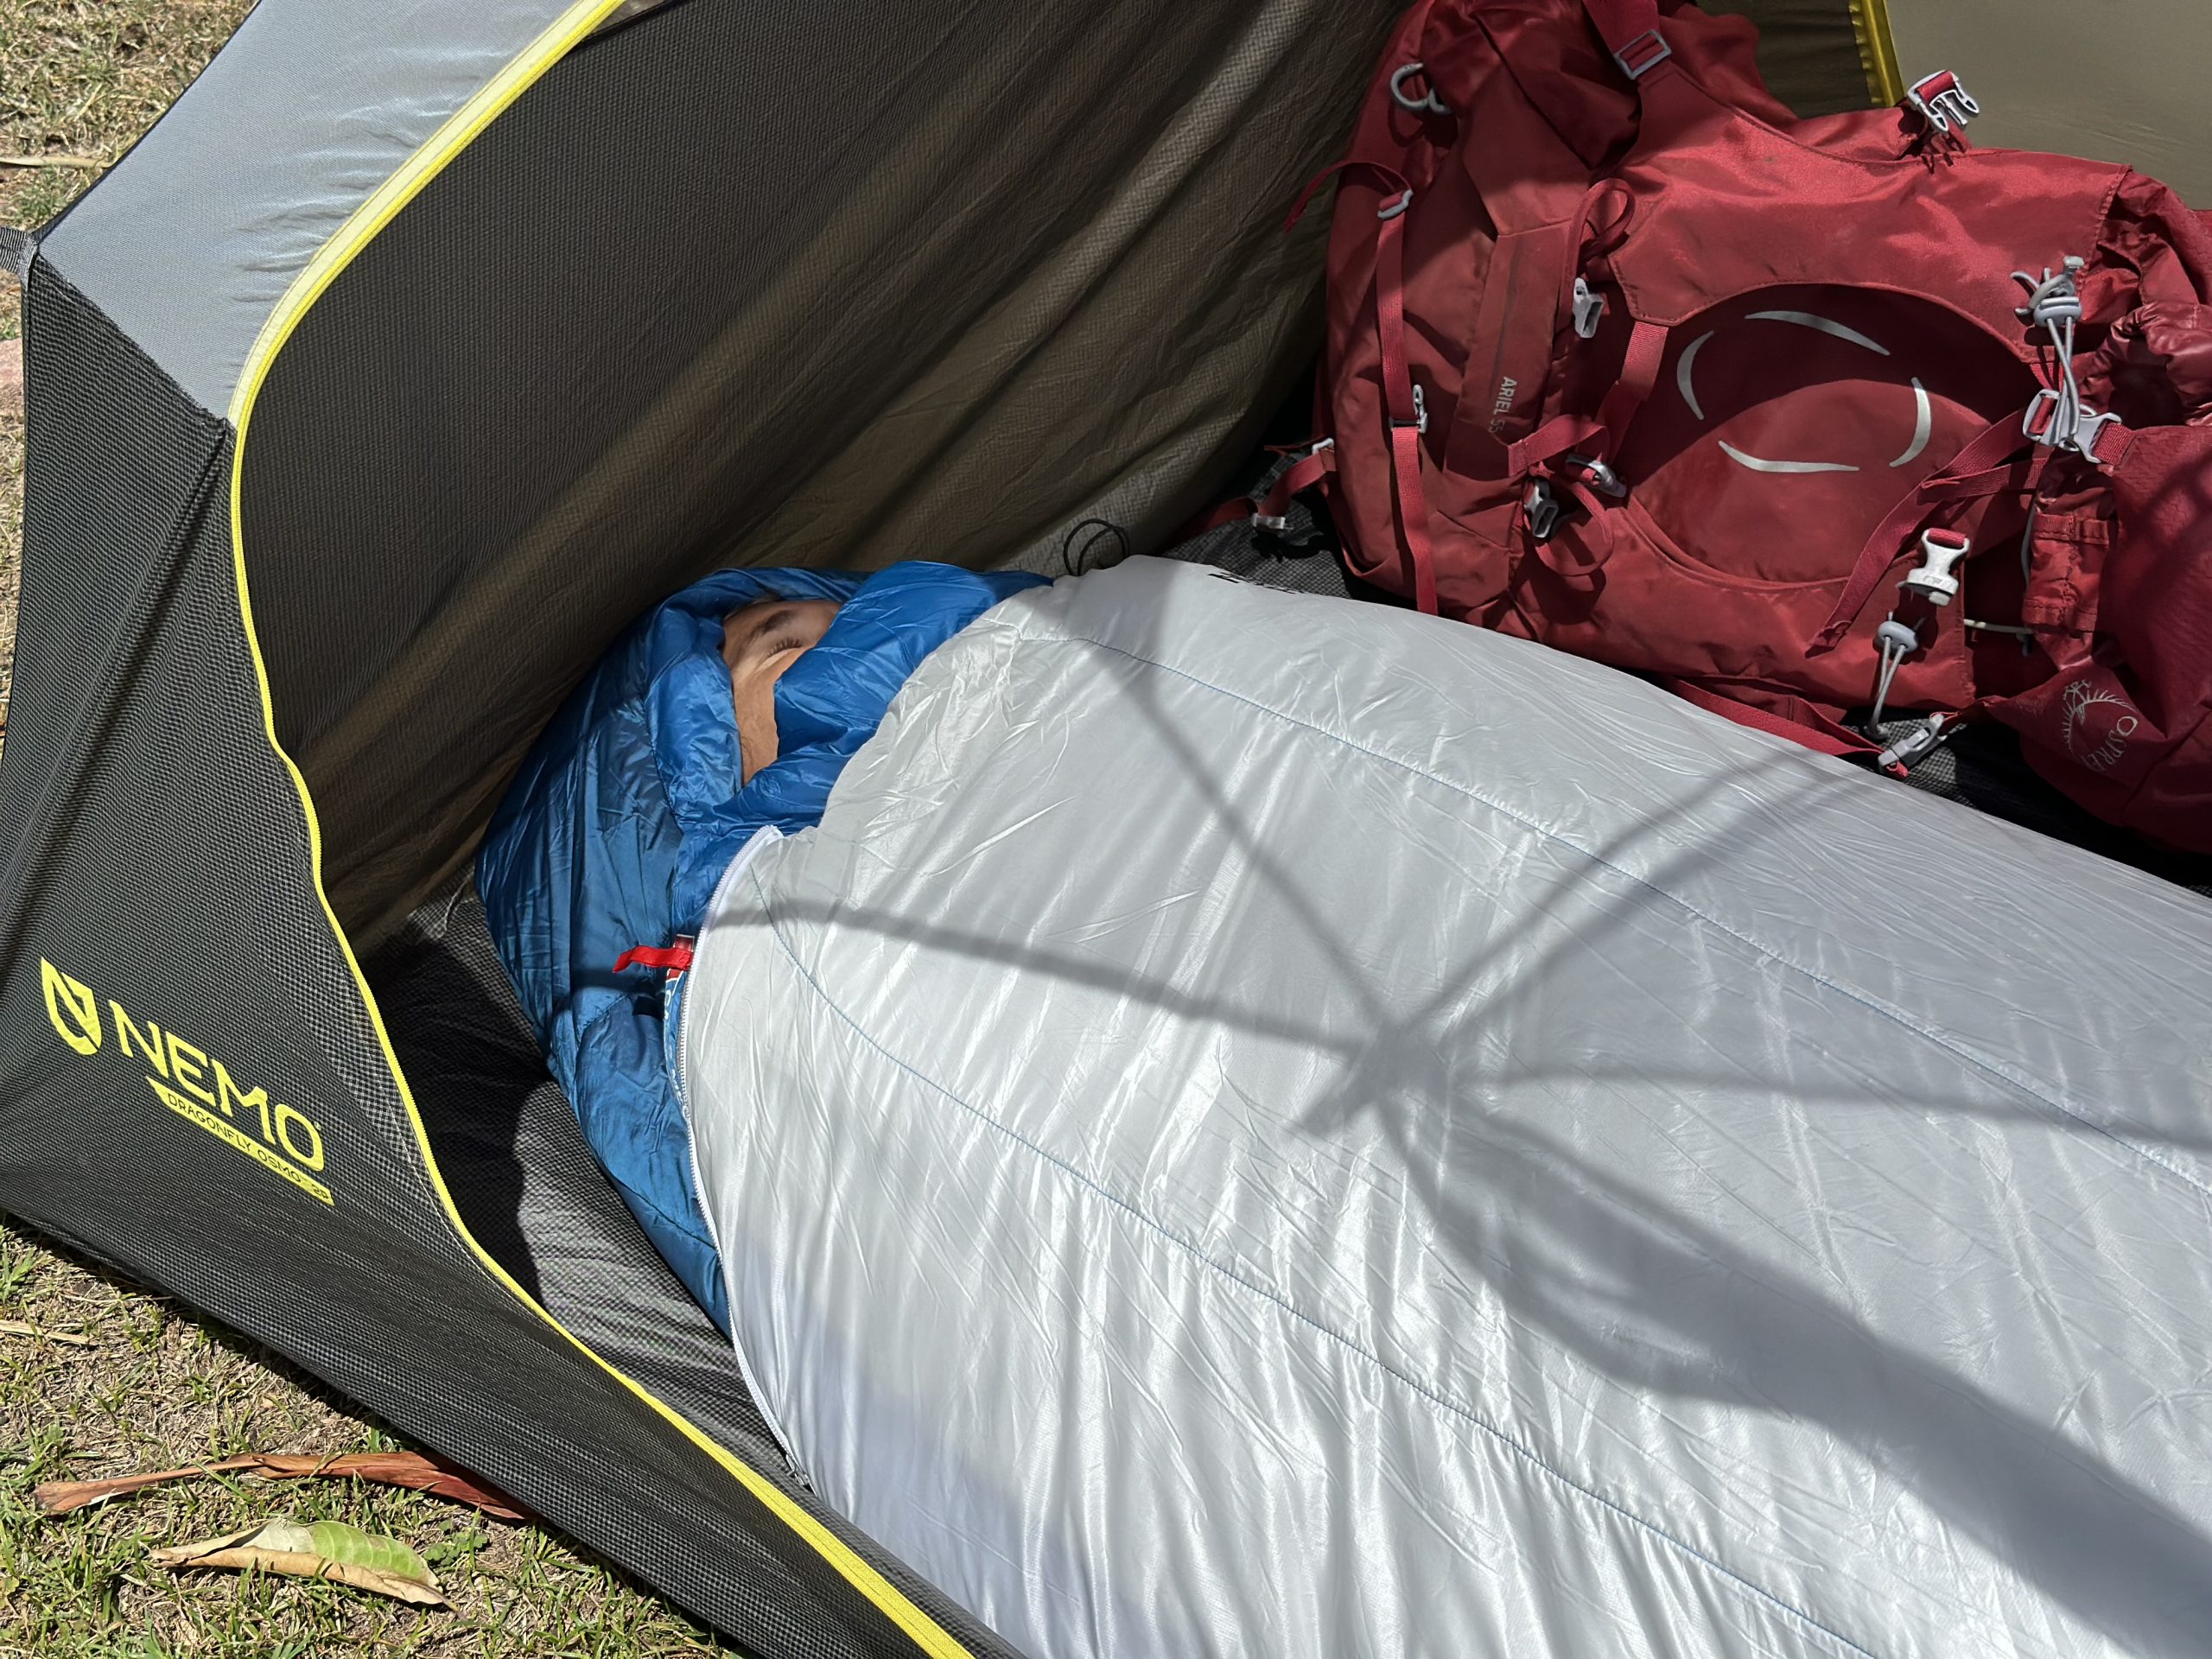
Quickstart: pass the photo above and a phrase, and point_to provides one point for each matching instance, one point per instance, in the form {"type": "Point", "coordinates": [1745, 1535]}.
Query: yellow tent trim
{"type": "Point", "coordinates": [335, 254]}
{"type": "Point", "coordinates": [1877, 52]}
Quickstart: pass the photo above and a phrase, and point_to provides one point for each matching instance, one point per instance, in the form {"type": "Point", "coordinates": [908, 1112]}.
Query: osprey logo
{"type": "Point", "coordinates": [2098, 725]}
{"type": "Point", "coordinates": [1923, 412]}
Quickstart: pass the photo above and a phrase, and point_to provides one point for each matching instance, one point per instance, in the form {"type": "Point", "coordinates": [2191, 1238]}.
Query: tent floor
{"type": "Point", "coordinates": [524, 1181]}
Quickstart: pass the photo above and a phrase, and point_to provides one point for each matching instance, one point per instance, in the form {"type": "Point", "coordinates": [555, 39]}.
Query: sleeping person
{"type": "Point", "coordinates": [760, 641]}
{"type": "Point", "coordinates": [693, 733]}
{"type": "Point", "coordinates": [1221, 1121]}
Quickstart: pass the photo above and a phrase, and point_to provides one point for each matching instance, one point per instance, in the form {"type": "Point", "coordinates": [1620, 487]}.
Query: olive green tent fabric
{"type": "Point", "coordinates": [2120, 80]}
{"type": "Point", "coordinates": [1810, 51]}
{"type": "Point", "coordinates": [736, 285]}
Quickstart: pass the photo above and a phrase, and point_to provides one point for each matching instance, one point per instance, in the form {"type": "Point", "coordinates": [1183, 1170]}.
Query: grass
{"type": "Point", "coordinates": [158, 1389]}
{"type": "Point", "coordinates": [148, 1385]}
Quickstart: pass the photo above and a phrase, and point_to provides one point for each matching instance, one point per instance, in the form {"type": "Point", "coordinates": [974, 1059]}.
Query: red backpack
{"type": "Point", "coordinates": [1799, 416]}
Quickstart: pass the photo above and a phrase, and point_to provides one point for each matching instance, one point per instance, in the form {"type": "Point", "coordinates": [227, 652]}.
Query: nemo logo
{"type": "Point", "coordinates": [73, 1008]}
{"type": "Point", "coordinates": [197, 1085]}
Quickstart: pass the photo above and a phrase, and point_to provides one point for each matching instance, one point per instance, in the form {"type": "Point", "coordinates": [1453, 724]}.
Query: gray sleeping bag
{"type": "Point", "coordinates": [1258, 1125]}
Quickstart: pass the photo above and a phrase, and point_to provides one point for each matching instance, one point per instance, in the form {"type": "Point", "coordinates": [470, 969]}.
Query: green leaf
{"type": "Point", "coordinates": [326, 1549]}
{"type": "Point", "coordinates": [350, 1546]}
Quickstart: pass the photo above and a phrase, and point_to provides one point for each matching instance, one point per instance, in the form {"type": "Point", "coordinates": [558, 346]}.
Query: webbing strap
{"type": "Point", "coordinates": [672, 959]}
{"type": "Point", "coordinates": [1577, 562]}
{"type": "Point", "coordinates": [1405, 418]}
{"type": "Point", "coordinates": [1975, 470]}
{"type": "Point", "coordinates": [1987, 466]}
{"type": "Point", "coordinates": [1647, 349]}
{"type": "Point", "coordinates": [1549, 441]}
{"type": "Point", "coordinates": [1828, 738]}
{"type": "Point", "coordinates": [1303, 475]}
{"type": "Point", "coordinates": [1630, 28]}
{"type": "Point", "coordinates": [1398, 392]}
{"type": "Point", "coordinates": [1597, 435]}
{"type": "Point", "coordinates": [1621, 21]}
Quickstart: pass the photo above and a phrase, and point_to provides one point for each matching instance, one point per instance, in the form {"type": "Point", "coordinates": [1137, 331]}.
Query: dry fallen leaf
{"type": "Point", "coordinates": [407, 1469]}
{"type": "Point", "coordinates": [11, 376]}
{"type": "Point", "coordinates": [19, 1328]}
{"type": "Point", "coordinates": [328, 1549]}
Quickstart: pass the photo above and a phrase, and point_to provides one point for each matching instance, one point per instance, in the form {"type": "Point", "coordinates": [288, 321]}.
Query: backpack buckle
{"type": "Point", "coordinates": [1639, 57]}
{"type": "Point", "coordinates": [1543, 509]}
{"type": "Point", "coordinates": [1915, 746]}
{"type": "Point", "coordinates": [1589, 308]}
{"type": "Point", "coordinates": [1419, 421]}
{"type": "Point", "coordinates": [1942, 101]}
{"type": "Point", "coordinates": [1939, 550]}
{"type": "Point", "coordinates": [2046, 412]}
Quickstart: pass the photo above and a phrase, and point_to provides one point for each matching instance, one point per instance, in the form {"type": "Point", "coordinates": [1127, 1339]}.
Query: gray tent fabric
{"type": "Point", "coordinates": [297, 122]}
{"type": "Point", "coordinates": [1262, 1125]}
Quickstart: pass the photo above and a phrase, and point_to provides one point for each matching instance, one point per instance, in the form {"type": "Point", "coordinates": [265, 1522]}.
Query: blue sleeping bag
{"type": "Point", "coordinates": [629, 808]}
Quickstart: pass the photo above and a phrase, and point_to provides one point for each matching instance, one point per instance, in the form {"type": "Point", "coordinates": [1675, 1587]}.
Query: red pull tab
{"type": "Point", "coordinates": [675, 959]}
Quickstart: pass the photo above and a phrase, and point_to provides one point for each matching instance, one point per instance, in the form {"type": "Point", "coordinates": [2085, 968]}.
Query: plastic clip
{"type": "Point", "coordinates": [1940, 549]}
{"type": "Point", "coordinates": [1589, 307]}
{"type": "Point", "coordinates": [1915, 746]}
{"type": "Point", "coordinates": [1942, 101]}
{"type": "Point", "coordinates": [1427, 103]}
{"type": "Point", "coordinates": [2047, 409]}
{"type": "Point", "coordinates": [1543, 510]}
{"type": "Point", "coordinates": [2057, 416]}
{"type": "Point", "coordinates": [1419, 421]}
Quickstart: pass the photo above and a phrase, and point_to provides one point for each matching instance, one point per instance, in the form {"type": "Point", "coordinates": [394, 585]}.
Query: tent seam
{"type": "Point", "coordinates": [1436, 1397]}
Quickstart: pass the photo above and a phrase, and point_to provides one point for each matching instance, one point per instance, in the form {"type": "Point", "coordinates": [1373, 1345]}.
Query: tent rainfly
{"type": "Point", "coordinates": [415, 351]}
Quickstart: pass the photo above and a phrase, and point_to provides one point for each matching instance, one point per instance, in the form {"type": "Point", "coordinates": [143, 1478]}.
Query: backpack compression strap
{"type": "Point", "coordinates": [1402, 402]}
{"type": "Point", "coordinates": [1630, 31]}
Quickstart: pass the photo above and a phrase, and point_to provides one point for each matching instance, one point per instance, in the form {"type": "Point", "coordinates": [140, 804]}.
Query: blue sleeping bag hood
{"type": "Point", "coordinates": [629, 808]}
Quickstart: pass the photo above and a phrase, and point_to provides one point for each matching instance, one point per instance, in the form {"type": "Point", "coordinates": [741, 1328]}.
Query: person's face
{"type": "Point", "coordinates": [759, 643]}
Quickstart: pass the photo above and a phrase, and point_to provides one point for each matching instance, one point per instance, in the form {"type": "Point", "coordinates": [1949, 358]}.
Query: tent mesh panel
{"type": "Point", "coordinates": [709, 294]}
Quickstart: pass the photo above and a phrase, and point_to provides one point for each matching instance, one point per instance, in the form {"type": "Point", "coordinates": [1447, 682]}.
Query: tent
{"type": "Point", "coordinates": [532, 312]}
